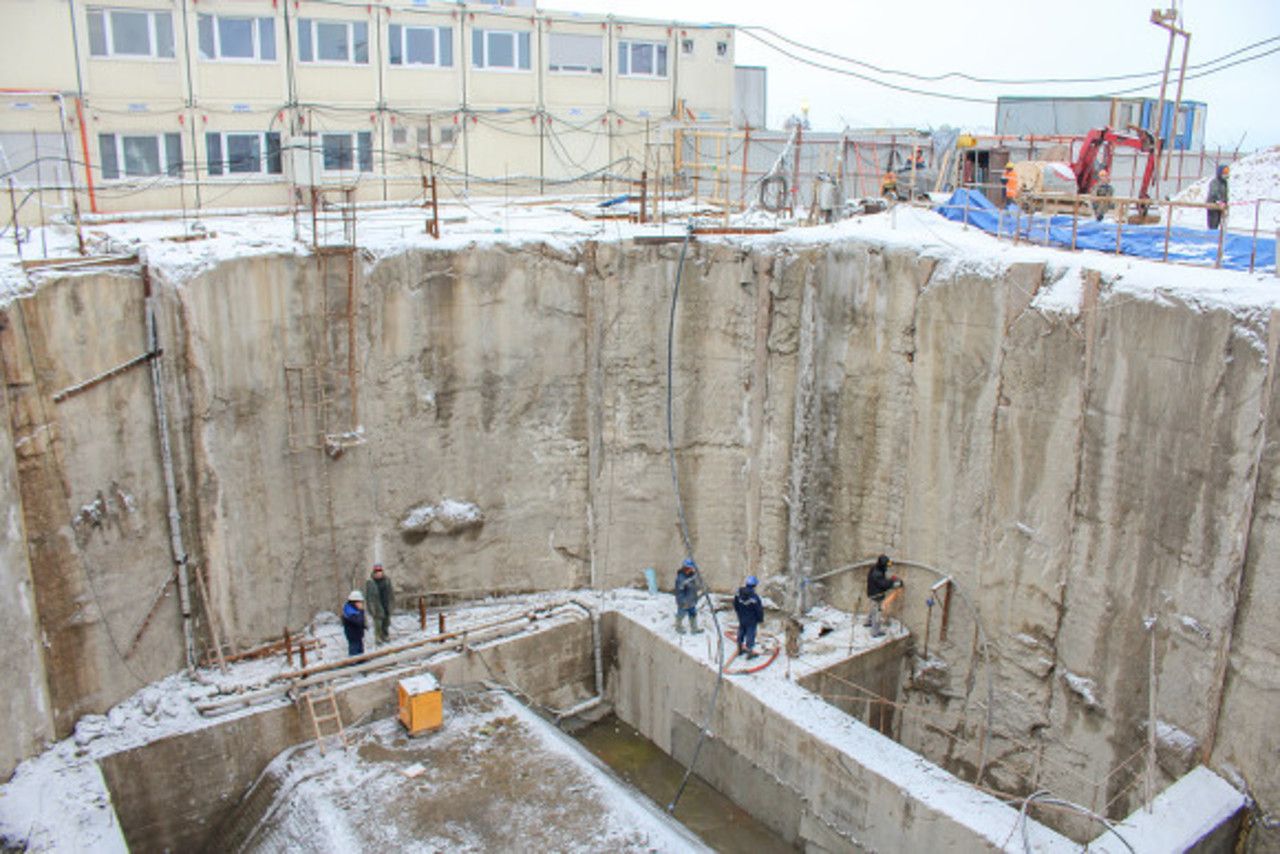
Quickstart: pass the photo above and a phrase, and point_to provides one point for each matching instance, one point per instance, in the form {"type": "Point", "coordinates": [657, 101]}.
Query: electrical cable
{"type": "Point", "coordinates": [684, 527]}
{"type": "Point", "coordinates": [1003, 81]}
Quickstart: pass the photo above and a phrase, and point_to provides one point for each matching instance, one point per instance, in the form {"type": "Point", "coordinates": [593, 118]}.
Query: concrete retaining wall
{"type": "Point", "coordinates": [178, 793]}
{"type": "Point", "coordinates": [1074, 470]}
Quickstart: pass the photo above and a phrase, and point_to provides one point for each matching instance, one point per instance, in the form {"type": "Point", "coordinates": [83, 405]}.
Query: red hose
{"type": "Point", "coordinates": [773, 656]}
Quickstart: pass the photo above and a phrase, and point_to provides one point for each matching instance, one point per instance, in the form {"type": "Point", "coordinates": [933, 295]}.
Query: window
{"type": "Point", "coordinates": [243, 153]}
{"type": "Point", "coordinates": [448, 135]}
{"type": "Point", "coordinates": [722, 50]}
{"type": "Point", "coordinates": [237, 38]}
{"type": "Point", "coordinates": [642, 59]}
{"type": "Point", "coordinates": [499, 49]}
{"type": "Point", "coordinates": [420, 45]}
{"type": "Point", "coordinates": [399, 135]}
{"type": "Point", "coordinates": [333, 41]}
{"type": "Point", "coordinates": [686, 47]}
{"type": "Point", "coordinates": [142, 156]}
{"type": "Point", "coordinates": [130, 33]}
{"type": "Point", "coordinates": [343, 151]}
{"type": "Point", "coordinates": [583, 54]}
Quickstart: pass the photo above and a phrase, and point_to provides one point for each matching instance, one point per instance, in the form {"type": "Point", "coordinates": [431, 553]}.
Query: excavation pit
{"type": "Point", "coordinates": [1085, 446]}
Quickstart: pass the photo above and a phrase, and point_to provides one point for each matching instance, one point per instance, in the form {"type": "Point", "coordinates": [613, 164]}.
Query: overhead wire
{"type": "Point", "coordinates": [1003, 81]}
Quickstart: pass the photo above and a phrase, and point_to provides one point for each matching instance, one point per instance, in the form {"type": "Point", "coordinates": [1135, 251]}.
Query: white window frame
{"type": "Point", "coordinates": [521, 48]}
{"type": "Point", "coordinates": [313, 24]}
{"type": "Point", "coordinates": [625, 46]}
{"type": "Point", "coordinates": [166, 167]}
{"type": "Point", "coordinates": [153, 32]}
{"type": "Point", "coordinates": [354, 136]}
{"type": "Point", "coordinates": [224, 156]}
{"type": "Point", "coordinates": [217, 39]}
{"type": "Point", "coordinates": [574, 69]}
{"type": "Point", "coordinates": [437, 35]}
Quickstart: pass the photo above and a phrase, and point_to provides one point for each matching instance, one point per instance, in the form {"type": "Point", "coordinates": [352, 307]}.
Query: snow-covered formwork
{"type": "Point", "coordinates": [1082, 442]}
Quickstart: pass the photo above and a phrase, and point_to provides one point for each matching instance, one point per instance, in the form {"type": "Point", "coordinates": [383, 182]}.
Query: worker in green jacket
{"type": "Point", "coordinates": [379, 599]}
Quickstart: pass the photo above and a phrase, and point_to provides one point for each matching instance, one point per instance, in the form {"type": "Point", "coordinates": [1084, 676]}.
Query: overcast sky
{"type": "Point", "coordinates": [1028, 39]}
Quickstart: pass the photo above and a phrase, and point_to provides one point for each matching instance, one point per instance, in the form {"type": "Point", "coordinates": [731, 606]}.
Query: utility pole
{"type": "Point", "coordinates": [1167, 20]}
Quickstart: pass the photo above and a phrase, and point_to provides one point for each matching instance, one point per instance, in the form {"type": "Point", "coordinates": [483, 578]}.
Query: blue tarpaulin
{"type": "Point", "coordinates": [1189, 245]}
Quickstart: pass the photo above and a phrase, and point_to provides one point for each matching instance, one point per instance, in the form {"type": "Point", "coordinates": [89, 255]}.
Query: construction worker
{"type": "Point", "coordinates": [379, 599]}
{"type": "Point", "coordinates": [750, 611]}
{"type": "Point", "coordinates": [1102, 188]}
{"type": "Point", "coordinates": [889, 185]}
{"type": "Point", "coordinates": [687, 590]}
{"type": "Point", "coordinates": [353, 622]}
{"type": "Point", "coordinates": [1010, 181]}
{"type": "Point", "coordinates": [1218, 196]}
{"type": "Point", "coordinates": [879, 583]}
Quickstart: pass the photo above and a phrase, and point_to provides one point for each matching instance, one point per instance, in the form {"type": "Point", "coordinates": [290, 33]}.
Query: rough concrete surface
{"type": "Point", "coordinates": [1074, 470]}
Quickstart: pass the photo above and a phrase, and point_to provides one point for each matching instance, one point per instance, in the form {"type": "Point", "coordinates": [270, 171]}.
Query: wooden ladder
{"type": "Point", "coordinates": [317, 700]}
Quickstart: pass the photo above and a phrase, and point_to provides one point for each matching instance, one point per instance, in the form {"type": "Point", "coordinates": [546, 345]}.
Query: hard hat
{"type": "Point", "coordinates": [1103, 173]}
{"type": "Point", "coordinates": [752, 581]}
{"type": "Point", "coordinates": [377, 567]}
{"type": "Point", "coordinates": [883, 561]}
{"type": "Point", "coordinates": [688, 562]}
{"type": "Point", "coordinates": [356, 596]}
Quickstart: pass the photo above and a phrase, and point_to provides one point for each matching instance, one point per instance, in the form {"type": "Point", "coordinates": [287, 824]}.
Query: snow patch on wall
{"type": "Point", "coordinates": [449, 516]}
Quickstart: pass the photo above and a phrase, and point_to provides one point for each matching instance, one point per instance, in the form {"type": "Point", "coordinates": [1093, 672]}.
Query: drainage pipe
{"type": "Point", "coordinates": [982, 637]}
{"type": "Point", "coordinates": [531, 615]}
{"type": "Point", "coordinates": [590, 702]}
{"type": "Point", "coordinates": [456, 641]}
{"type": "Point", "coordinates": [180, 557]}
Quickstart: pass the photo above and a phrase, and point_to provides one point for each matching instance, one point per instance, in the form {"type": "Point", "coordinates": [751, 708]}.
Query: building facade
{"type": "Point", "coordinates": [168, 104]}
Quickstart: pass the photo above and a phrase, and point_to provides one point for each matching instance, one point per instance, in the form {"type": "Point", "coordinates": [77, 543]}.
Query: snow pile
{"type": "Point", "coordinates": [1254, 187]}
{"type": "Point", "coordinates": [447, 517]}
{"type": "Point", "coordinates": [1084, 688]}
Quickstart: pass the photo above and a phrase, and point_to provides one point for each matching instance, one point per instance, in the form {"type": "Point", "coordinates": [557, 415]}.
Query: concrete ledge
{"type": "Point", "coordinates": [1200, 813]}
{"type": "Point", "coordinates": [174, 793]}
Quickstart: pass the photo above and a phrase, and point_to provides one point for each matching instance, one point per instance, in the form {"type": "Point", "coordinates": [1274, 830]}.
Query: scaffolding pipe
{"type": "Point", "coordinates": [590, 702]}
{"type": "Point", "coordinates": [170, 486]}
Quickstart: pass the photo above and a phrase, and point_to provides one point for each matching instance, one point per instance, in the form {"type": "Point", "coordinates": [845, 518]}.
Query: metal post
{"type": "Point", "coordinates": [1075, 222]}
{"type": "Point", "coordinates": [35, 146]}
{"type": "Point", "coordinates": [1222, 235]}
{"type": "Point", "coordinates": [1151, 714]}
{"type": "Point", "coordinates": [13, 207]}
{"type": "Point", "coordinates": [441, 622]}
{"type": "Point", "coordinates": [288, 647]}
{"type": "Point", "coordinates": [1177, 103]}
{"type": "Point", "coordinates": [644, 193]}
{"type": "Point", "coordinates": [1168, 226]}
{"type": "Point", "coordinates": [1253, 251]}
{"type": "Point", "coordinates": [1120, 223]}
{"type": "Point", "coordinates": [422, 613]}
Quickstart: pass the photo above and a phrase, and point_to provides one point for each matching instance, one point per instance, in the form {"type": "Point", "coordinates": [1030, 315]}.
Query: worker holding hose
{"type": "Point", "coordinates": [750, 611]}
{"type": "Point", "coordinates": [879, 583]}
{"type": "Point", "coordinates": [687, 592]}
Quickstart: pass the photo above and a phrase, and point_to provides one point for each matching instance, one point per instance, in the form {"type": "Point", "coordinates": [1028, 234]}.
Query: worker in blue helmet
{"type": "Point", "coordinates": [750, 611]}
{"type": "Point", "coordinates": [687, 589]}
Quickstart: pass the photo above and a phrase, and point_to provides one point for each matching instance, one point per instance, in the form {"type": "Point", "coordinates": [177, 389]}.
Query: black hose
{"type": "Point", "coordinates": [684, 528]}
{"type": "Point", "coordinates": [773, 200]}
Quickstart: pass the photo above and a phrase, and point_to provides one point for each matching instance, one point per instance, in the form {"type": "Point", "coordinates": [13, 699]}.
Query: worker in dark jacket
{"type": "Point", "coordinates": [687, 590]}
{"type": "Point", "coordinates": [353, 622]}
{"type": "Point", "coordinates": [750, 611]}
{"type": "Point", "coordinates": [379, 599]}
{"type": "Point", "coordinates": [879, 583]}
{"type": "Point", "coordinates": [1217, 196]}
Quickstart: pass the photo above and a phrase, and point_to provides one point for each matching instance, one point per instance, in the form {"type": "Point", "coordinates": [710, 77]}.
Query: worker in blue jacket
{"type": "Point", "coordinates": [353, 623]}
{"type": "Point", "coordinates": [750, 611]}
{"type": "Point", "coordinates": [687, 590]}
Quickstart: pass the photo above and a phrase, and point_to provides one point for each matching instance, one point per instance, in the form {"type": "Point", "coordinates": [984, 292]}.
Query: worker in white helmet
{"type": "Point", "coordinates": [353, 623]}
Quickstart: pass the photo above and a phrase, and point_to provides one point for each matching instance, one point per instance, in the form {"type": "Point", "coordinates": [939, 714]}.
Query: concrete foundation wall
{"type": "Point", "coordinates": [179, 793]}
{"type": "Point", "coordinates": [1074, 472]}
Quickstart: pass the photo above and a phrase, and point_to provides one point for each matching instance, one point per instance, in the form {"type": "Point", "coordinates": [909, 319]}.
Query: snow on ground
{"type": "Point", "coordinates": [559, 226]}
{"type": "Point", "coordinates": [1254, 190]}
{"type": "Point", "coordinates": [58, 801]}
{"type": "Point", "coordinates": [514, 783]}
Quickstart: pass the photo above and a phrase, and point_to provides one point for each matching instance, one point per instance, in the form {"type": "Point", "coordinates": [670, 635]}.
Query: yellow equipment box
{"type": "Point", "coordinates": [421, 705]}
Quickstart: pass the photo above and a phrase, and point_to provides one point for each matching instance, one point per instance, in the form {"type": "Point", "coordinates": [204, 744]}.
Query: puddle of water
{"type": "Point", "coordinates": [718, 821]}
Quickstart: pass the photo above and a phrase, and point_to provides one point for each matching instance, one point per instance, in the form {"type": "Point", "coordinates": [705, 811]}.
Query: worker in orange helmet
{"type": "Point", "coordinates": [1010, 181]}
